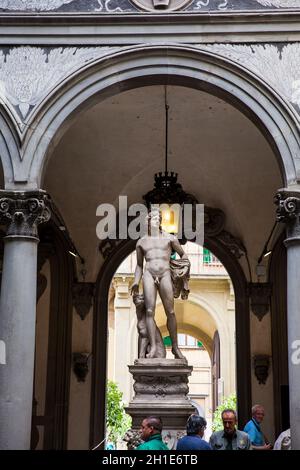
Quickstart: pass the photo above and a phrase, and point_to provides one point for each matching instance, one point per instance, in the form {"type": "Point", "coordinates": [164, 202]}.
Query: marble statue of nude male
{"type": "Point", "coordinates": [156, 248]}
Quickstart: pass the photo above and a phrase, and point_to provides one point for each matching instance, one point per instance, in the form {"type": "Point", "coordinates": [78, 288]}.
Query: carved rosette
{"type": "Point", "coordinates": [288, 211]}
{"type": "Point", "coordinates": [23, 211]}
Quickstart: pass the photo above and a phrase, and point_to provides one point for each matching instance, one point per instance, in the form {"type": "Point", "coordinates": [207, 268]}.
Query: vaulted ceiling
{"type": "Point", "coordinates": [115, 147]}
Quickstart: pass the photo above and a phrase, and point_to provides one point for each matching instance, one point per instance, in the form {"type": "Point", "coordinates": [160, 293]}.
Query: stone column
{"type": "Point", "coordinates": [22, 212]}
{"type": "Point", "coordinates": [123, 317]}
{"type": "Point", "coordinates": [288, 211]}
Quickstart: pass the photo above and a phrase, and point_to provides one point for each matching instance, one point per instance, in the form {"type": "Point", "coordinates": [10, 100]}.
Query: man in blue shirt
{"type": "Point", "coordinates": [254, 431]}
{"type": "Point", "coordinates": [195, 427]}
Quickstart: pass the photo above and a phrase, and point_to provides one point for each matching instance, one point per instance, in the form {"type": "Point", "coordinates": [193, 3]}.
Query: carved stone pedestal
{"type": "Point", "coordinates": [161, 388]}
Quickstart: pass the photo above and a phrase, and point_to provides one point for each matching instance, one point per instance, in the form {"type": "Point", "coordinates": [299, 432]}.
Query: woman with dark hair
{"type": "Point", "coordinates": [195, 428]}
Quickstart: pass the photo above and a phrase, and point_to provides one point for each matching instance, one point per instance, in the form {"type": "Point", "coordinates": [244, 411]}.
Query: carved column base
{"type": "Point", "coordinates": [161, 388]}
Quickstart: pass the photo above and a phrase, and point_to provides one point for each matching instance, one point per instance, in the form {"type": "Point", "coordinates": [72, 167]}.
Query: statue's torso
{"type": "Point", "coordinates": [157, 252]}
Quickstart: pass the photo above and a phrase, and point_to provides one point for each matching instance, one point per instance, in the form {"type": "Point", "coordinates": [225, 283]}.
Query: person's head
{"type": "Point", "coordinates": [195, 425]}
{"type": "Point", "coordinates": [258, 413]}
{"type": "Point", "coordinates": [151, 425]}
{"type": "Point", "coordinates": [154, 219]}
{"type": "Point", "coordinates": [229, 419]}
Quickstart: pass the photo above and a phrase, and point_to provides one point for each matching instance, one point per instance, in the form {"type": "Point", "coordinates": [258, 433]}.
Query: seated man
{"type": "Point", "coordinates": [151, 429]}
{"type": "Point", "coordinates": [230, 438]}
{"type": "Point", "coordinates": [195, 428]}
{"type": "Point", "coordinates": [258, 440]}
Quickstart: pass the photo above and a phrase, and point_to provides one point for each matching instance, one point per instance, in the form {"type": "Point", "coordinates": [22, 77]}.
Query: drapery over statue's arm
{"type": "Point", "coordinates": [138, 270]}
{"type": "Point", "coordinates": [180, 271]}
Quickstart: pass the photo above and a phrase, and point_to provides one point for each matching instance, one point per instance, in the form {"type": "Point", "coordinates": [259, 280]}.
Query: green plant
{"type": "Point", "coordinates": [228, 402]}
{"type": "Point", "coordinates": [117, 421]}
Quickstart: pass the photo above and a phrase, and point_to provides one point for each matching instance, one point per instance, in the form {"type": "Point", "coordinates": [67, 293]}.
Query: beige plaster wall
{"type": "Point", "coordinates": [263, 393]}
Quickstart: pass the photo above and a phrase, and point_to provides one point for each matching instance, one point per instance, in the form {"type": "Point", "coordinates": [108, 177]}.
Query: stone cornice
{"type": "Point", "coordinates": [128, 28]}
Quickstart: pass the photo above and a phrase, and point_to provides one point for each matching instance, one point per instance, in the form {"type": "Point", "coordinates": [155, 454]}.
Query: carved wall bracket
{"type": "Point", "coordinates": [261, 364]}
{"type": "Point", "coordinates": [260, 294]}
{"type": "Point", "coordinates": [83, 297]}
{"type": "Point", "coordinates": [81, 365]}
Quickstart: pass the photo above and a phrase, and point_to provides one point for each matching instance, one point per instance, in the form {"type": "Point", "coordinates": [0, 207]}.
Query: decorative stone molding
{"type": "Point", "coordinates": [288, 211]}
{"type": "Point", "coordinates": [28, 74]}
{"type": "Point", "coordinates": [234, 244]}
{"type": "Point", "coordinates": [108, 246]}
{"type": "Point", "coordinates": [83, 297]}
{"type": "Point", "coordinates": [160, 386]}
{"type": "Point", "coordinates": [261, 364]}
{"type": "Point", "coordinates": [165, 6]}
{"type": "Point", "coordinates": [81, 366]}
{"type": "Point", "coordinates": [280, 3]}
{"type": "Point", "coordinates": [260, 293]}
{"type": "Point", "coordinates": [113, 6]}
{"type": "Point", "coordinates": [214, 221]}
{"type": "Point", "coordinates": [154, 6]}
{"type": "Point", "coordinates": [277, 65]}
{"type": "Point", "coordinates": [32, 5]}
{"type": "Point", "coordinates": [23, 212]}
{"type": "Point", "coordinates": [160, 378]}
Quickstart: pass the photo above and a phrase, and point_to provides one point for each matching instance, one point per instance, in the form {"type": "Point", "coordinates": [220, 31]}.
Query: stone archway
{"type": "Point", "coordinates": [115, 253]}
{"type": "Point", "coordinates": [10, 154]}
{"type": "Point", "coordinates": [179, 65]}
{"type": "Point", "coordinates": [138, 66]}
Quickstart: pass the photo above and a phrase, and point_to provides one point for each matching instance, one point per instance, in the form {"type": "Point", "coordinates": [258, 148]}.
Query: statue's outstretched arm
{"type": "Point", "coordinates": [139, 269]}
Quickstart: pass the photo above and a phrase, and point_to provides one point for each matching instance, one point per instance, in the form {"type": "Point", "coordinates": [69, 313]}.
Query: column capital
{"type": "Point", "coordinates": [288, 211]}
{"type": "Point", "coordinates": [23, 211]}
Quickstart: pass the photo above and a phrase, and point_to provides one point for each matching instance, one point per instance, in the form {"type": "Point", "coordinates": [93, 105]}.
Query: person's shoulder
{"type": "Point", "coordinates": [216, 435]}
{"type": "Point", "coordinates": [182, 440]}
{"type": "Point", "coordinates": [242, 434]}
{"type": "Point", "coordinates": [147, 445]}
{"type": "Point", "coordinates": [249, 425]}
{"type": "Point", "coordinates": [205, 445]}
{"type": "Point", "coordinates": [142, 446]}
